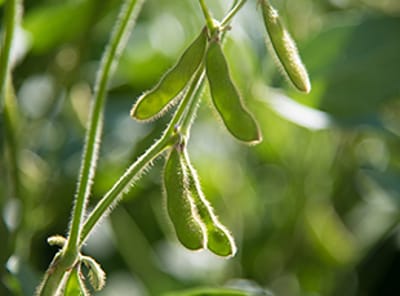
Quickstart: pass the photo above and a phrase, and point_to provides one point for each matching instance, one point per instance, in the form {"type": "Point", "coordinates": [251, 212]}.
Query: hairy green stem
{"type": "Point", "coordinates": [117, 42]}
{"type": "Point", "coordinates": [133, 172]}
{"type": "Point", "coordinates": [196, 89]}
{"type": "Point", "coordinates": [122, 186]}
{"type": "Point", "coordinates": [65, 260]}
{"type": "Point", "coordinates": [55, 277]}
{"type": "Point", "coordinates": [10, 21]}
{"type": "Point", "coordinates": [228, 18]}
{"type": "Point", "coordinates": [184, 115]}
{"type": "Point", "coordinates": [10, 115]}
{"type": "Point", "coordinates": [207, 15]}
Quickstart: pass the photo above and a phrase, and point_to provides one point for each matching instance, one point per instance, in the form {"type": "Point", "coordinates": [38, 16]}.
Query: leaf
{"type": "Point", "coordinates": [97, 276]}
{"type": "Point", "coordinates": [354, 65]}
{"type": "Point", "coordinates": [56, 24]}
{"type": "Point", "coordinates": [209, 292]}
{"type": "Point", "coordinates": [226, 98]}
{"type": "Point", "coordinates": [329, 233]}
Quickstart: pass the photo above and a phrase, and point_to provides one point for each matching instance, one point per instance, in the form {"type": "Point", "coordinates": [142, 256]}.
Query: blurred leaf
{"type": "Point", "coordinates": [355, 67]}
{"type": "Point", "coordinates": [329, 233]}
{"type": "Point", "coordinates": [209, 292]}
{"type": "Point", "coordinates": [5, 250]}
{"type": "Point", "coordinates": [293, 111]}
{"type": "Point", "coordinates": [388, 180]}
{"type": "Point", "coordinates": [56, 24]}
{"type": "Point", "coordinates": [27, 279]}
{"type": "Point", "coordinates": [141, 260]}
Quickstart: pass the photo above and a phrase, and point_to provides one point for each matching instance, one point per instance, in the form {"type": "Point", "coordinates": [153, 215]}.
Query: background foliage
{"type": "Point", "coordinates": [314, 208]}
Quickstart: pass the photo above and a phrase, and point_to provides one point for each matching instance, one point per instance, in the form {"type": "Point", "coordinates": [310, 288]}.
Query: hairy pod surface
{"type": "Point", "coordinates": [154, 102]}
{"type": "Point", "coordinates": [285, 48]}
{"type": "Point", "coordinates": [219, 239]}
{"type": "Point", "coordinates": [226, 97]}
{"type": "Point", "coordinates": [181, 209]}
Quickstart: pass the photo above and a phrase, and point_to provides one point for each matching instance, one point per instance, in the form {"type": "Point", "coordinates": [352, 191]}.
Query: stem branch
{"type": "Point", "coordinates": [207, 15]}
{"type": "Point", "coordinates": [118, 39]}
{"type": "Point", "coordinates": [227, 19]}
{"type": "Point", "coordinates": [133, 172]}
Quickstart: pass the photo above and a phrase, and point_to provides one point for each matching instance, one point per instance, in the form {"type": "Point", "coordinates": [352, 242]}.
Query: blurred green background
{"type": "Point", "coordinates": [314, 208]}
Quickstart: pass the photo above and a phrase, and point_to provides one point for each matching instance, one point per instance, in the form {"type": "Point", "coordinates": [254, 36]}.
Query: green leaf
{"type": "Point", "coordinates": [226, 98]}
{"type": "Point", "coordinates": [97, 276]}
{"type": "Point", "coordinates": [365, 73]}
{"type": "Point", "coordinates": [56, 24]}
{"type": "Point", "coordinates": [181, 208]}
{"type": "Point", "coordinates": [329, 234]}
{"type": "Point", "coordinates": [354, 65]}
{"type": "Point", "coordinates": [153, 103]}
{"type": "Point", "coordinates": [209, 292]}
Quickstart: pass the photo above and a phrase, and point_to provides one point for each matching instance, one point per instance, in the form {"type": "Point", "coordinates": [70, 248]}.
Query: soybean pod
{"type": "Point", "coordinates": [285, 48]}
{"type": "Point", "coordinates": [181, 208]}
{"type": "Point", "coordinates": [219, 239]}
{"type": "Point", "coordinates": [153, 103]}
{"type": "Point", "coordinates": [227, 99]}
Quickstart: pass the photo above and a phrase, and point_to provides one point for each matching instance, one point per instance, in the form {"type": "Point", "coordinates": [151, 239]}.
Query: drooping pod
{"type": "Point", "coordinates": [219, 239]}
{"type": "Point", "coordinates": [181, 208]}
{"type": "Point", "coordinates": [285, 48]}
{"type": "Point", "coordinates": [155, 101]}
{"type": "Point", "coordinates": [227, 99]}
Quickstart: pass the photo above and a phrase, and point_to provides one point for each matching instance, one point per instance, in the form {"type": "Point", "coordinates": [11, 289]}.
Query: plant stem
{"type": "Point", "coordinates": [123, 184]}
{"type": "Point", "coordinates": [189, 105]}
{"type": "Point", "coordinates": [55, 276]}
{"type": "Point", "coordinates": [62, 263]}
{"type": "Point", "coordinates": [10, 20]}
{"type": "Point", "coordinates": [207, 15]}
{"type": "Point", "coordinates": [197, 88]}
{"type": "Point", "coordinates": [10, 115]}
{"type": "Point", "coordinates": [122, 29]}
{"type": "Point", "coordinates": [227, 19]}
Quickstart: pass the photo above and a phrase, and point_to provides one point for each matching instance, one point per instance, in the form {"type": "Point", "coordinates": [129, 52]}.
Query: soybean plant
{"type": "Point", "coordinates": [192, 215]}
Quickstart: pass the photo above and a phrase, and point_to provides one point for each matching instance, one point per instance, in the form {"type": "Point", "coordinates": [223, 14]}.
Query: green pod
{"type": "Point", "coordinates": [154, 102]}
{"type": "Point", "coordinates": [181, 208]}
{"type": "Point", "coordinates": [285, 48]}
{"type": "Point", "coordinates": [226, 97]}
{"type": "Point", "coordinates": [219, 239]}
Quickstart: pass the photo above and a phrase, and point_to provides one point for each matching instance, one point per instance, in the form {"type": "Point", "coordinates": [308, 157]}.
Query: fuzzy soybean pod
{"type": "Point", "coordinates": [153, 103]}
{"type": "Point", "coordinates": [285, 48]}
{"type": "Point", "coordinates": [181, 208]}
{"type": "Point", "coordinates": [227, 99]}
{"type": "Point", "coordinates": [219, 239]}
